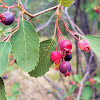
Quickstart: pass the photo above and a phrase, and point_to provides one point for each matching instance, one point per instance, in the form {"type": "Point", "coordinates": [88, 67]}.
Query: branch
{"type": "Point", "coordinates": [54, 85]}
{"type": "Point", "coordinates": [86, 75]}
{"type": "Point", "coordinates": [24, 11]}
{"type": "Point", "coordinates": [39, 13]}
{"type": "Point", "coordinates": [40, 27]}
{"type": "Point", "coordinates": [81, 85]}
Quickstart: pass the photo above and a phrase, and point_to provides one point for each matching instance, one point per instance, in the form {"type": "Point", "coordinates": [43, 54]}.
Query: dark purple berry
{"type": "Point", "coordinates": [15, 61]}
{"type": "Point", "coordinates": [4, 77]}
{"type": "Point", "coordinates": [68, 57]}
{"type": "Point", "coordinates": [7, 18]}
{"type": "Point", "coordinates": [65, 67]}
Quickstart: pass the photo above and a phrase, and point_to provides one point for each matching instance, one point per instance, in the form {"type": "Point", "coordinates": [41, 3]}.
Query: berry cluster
{"type": "Point", "coordinates": [7, 18]}
{"type": "Point", "coordinates": [61, 58]}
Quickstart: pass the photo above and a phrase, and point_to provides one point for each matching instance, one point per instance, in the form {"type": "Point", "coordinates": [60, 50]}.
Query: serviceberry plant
{"type": "Point", "coordinates": [36, 57]}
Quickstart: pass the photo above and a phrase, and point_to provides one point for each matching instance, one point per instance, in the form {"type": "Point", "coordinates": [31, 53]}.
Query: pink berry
{"type": "Point", "coordinates": [66, 45]}
{"type": "Point", "coordinates": [84, 45]}
{"type": "Point", "coordinates": [65, 67]}
{"type": "Point", "coordinates": [7, 18]}
{"type": "Point", "coordinates": [55, 56]}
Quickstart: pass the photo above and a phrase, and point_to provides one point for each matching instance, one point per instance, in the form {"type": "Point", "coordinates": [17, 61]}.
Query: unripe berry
{"type": "Point", "coordinates": [7, 18]}
{"type": "Point", "coordinates": [65, 67]}
{"type": "Point", "coordinates": [65, 45]}
{"type": "Point", "coordinates": [55, 56]}
{"type": "Point", "coordinates": [84, 45]}
{"type": "Point", "coordinates": [68, 57]}
{"type": "Point", "coordinates": [57, 66]}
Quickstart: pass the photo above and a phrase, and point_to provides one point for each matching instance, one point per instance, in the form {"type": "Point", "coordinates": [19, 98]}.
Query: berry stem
{"type": "Point", "coordinates": [59, 31]}
{"type": "Point", "coordinates": [71, 32]}
{"type": "Point", "coordinates": [2, 3]}
{"type": "Point", "coordinates": [77, 34]}
{"type": "Point", "coordinates": [12, 6]}
{"type": "Point", "coordinates": [21, 4]}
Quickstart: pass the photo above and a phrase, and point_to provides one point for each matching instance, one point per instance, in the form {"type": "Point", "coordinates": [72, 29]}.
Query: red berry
{"type": "Point", "coordinates": [97, 11]}
{"type": "Point", "coordinates": [67, 98]}
{"type": "Point", "coordinates": [7, 18]}
{"type": "Point", "coordinates": [91, 80]}
{"type": "Point", "coordinates": [65, 67]}
{"type": "Point", "coordinates": [55, 56]}
{"type": "Point", "coordinates": [84, 45]}
{"type": "Point", "coordinates": [65, 45]}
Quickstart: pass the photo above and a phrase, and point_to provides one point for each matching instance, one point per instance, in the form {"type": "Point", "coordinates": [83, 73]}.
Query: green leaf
{"type": "Point", "coordinates": [16, 93]}
{"type": "Point", "coordinates": [98, 24]}
{"type": "Point", "coordinates": [4, 53]}
{"type": "Point", "coordinates": [10, 68]}
{"type": "Point", "coordinates": [97, 85]}
{"type": "Point", "coordinates": [25, 46]}
{"type": "Point", "coordinates": [77, 78]}
{"type": "Point", "coordinates": [46, 47]}
{"type": "Point", "coordinates": [11, 98]}
{"type": "Point", "coordinates": [50, 0]}
{"type": "Point", "coordinates": [97, 79]}
{"type": "Point", "coordinates": [65, 3]}
{"type": "Point", "coordinates": [72, 89]}
{"type": "Point", "coordinates": [87, 93]}
{"type": "Point", "coordinates": [87, 83]}
{"type": "Point", "coordinates": [2, 90]}
{"type": "Point", "coordinates": [94, 42]}
{"type": "Point", "coordinates": [15, 88]}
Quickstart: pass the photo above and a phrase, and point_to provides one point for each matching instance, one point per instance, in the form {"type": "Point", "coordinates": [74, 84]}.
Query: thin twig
{"type": "Point", "coordinates": [54, 85]}
{"type": "Point", "coordinates": [81, 85]}
{"type": "Point", "coordinates": [72, 23]}
{"type": "Point", "coordinates": [39, 13]}
{"type": "Point", "coordinates": [40, 27]}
